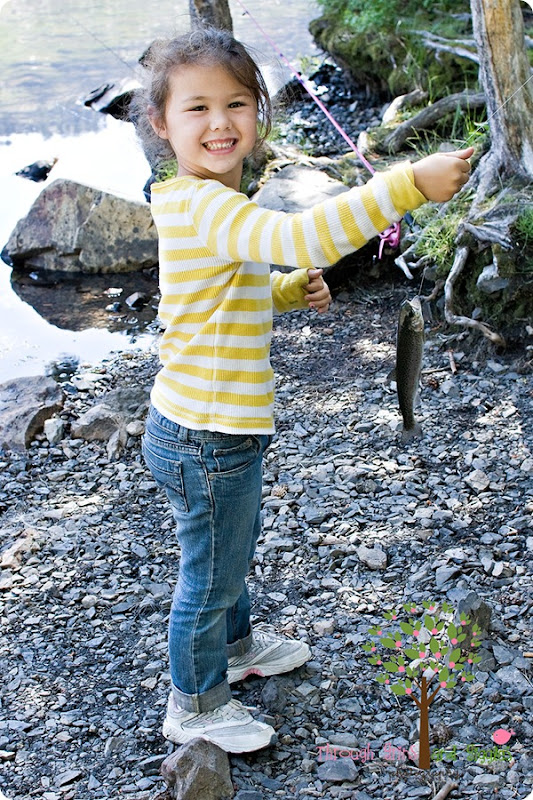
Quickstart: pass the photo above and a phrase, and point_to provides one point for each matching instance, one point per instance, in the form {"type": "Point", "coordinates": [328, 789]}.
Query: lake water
{"type": "Point", "coordinates": [53, 54]}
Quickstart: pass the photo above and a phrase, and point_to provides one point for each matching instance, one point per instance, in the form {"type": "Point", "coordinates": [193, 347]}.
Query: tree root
{"type": "Point", "coordinates": [445, 791]}
{"type": "Point", "coordinates": [403, 261]}
{"type": "Point", "coordinates": [461, 256]}
{"type": "Point", "coordinates": [428, 118]}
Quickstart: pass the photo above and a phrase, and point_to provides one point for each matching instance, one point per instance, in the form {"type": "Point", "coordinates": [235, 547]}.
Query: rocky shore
{"type": "Point", "coordinates": [89, 560]}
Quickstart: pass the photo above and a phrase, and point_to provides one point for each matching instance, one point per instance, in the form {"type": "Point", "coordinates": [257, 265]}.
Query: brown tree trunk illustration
{"type": "Point", "coordinates": [211, 12]}
{"type": "Point", "coordinates": [424, 756]}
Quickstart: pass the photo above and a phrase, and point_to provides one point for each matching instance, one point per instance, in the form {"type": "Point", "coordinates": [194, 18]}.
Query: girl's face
{"type": "Point", "coordinates": [210, 121]}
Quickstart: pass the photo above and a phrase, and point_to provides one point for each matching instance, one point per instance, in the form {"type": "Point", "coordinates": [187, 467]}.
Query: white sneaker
{"type": "Point", "coordinates": [269, 654]}
{"type": "Point", "coordinates": [231, 727]}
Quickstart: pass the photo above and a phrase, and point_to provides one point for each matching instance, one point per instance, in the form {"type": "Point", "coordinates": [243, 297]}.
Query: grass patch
{"type": "Point", "coordinates": [439, 231]}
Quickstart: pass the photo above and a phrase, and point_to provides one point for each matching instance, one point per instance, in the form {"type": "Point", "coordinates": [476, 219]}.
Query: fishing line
{"type": "Point", "coordinates": [481, 124]}
{"type": "Point", "coordinates": [391, 235]}
{"type": "Point", "coordinates": [100, 42]}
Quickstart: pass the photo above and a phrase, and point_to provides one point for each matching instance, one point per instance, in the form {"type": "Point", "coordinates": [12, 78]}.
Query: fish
{"type": "Point", "coordinates": [409, 350]}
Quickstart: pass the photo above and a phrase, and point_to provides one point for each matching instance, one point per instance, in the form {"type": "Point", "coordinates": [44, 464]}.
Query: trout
{"type": "Point", "coordinates": [409, 349]}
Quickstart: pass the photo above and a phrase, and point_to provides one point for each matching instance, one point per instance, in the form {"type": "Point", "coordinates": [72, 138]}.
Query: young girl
{"type": "Point", "coordinates": [211, 419]}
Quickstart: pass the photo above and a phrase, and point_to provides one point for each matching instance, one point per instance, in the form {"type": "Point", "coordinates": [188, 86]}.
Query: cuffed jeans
{"type": "Point", "coordinates": [213, 482]}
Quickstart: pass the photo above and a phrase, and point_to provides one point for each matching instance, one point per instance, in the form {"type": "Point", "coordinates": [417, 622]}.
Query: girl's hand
{"type": "Point", "coordinates": [318, 294]}
{"type": "Point", "coordinates": [441, 175]}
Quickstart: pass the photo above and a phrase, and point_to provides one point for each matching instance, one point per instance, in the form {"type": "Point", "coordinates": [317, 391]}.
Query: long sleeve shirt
{"type": "Point", "coordinates": [218, 293]}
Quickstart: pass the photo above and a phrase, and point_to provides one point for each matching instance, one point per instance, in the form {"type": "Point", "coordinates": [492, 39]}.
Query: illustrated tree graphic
{"type": "Point", "coordinates": [424, 651]}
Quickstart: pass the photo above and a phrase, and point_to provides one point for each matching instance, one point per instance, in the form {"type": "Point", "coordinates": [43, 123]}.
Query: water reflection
{"type": "Point", "coordinates": [28, 342]}
{"type": "Point", "coordinates": [119, 302]}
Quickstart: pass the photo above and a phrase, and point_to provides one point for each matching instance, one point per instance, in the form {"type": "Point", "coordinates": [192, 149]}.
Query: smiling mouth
{"type": "Point", "coordinates": [217, 146]}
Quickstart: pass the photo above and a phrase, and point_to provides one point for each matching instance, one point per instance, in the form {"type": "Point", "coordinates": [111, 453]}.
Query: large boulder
{"type": "Point", "coordinates": [76, 228]}
{"type": "Point", "coordinates": [295, 188]}
{"type": "Point", "coordinates": [25, 405]}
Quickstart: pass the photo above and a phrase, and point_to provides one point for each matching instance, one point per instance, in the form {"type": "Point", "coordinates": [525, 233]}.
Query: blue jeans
{"type": "Point", "coordinates": [213, 482]}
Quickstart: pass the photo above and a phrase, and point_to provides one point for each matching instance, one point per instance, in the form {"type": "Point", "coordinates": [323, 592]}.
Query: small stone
{"type": "Point", "coordinates": [135, 428]}
{"type": "Point", "coordinates": [496, 366]}
{"type": "Point", "coordinates": [199, 769]}
{"type": "Point", "coordinates": [54, 430]}
{"type": "Point", "coordinates": [373, 558]}
{"type": "Point", "coordinates": [314, 515]}
{"type": "Point", "coordinates": [513, 677]}
{"type": "Point", "coordinates": [486, 780]}
{"type": "Point", "coordinates": [274, 695]}
{"type": "Point", "coordinates": [69, 776]}
{"type": "Point", "coordinates": [338, 770]}
{"type": "Point", "coordinates": [445, 574]}
{"type": "Point", "coordinates": [98, 423]}
{"type": "Point", "coordinates": [114, 744]}
{"type": "Point", "coordinates": [478, 480]}
{"type": "Point", "coordinates": [324, 627]}
{"type": "Point", "coordinates": [137, 300]}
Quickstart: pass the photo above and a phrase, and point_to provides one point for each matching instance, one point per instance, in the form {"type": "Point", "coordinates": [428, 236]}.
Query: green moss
{"type": "Point", "coordinates": [378, 43]}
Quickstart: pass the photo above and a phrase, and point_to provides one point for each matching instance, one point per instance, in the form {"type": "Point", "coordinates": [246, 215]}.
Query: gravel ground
{"type": "Point", "coordinates": [84, 600]}
{"type": "Point", "coordinates": [302, 123]}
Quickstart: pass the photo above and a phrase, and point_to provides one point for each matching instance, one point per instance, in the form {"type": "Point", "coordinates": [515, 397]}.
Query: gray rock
{"type": "Point", "coordinates": [75, 228]}
{"type": "Point", "coordinates": [445, 574]}
{"type": "Point", "coordinates": [476, 609]}
{"type": "Point", "coordinates": [513, 677]}
{"type": "Point", "coordinates": [199, 770]}
{"type": "Point", "coordinates": [478, 480]}
{"type": "Point", "coordinates": [490, 281]}
{"type": "Point", "coordinates": [131, 402]}
{"type": "Point", "coordinates": [314, 515]}
{"type": "Point", "coordinates": [274, 694]}
{"type": "Point", "coordinates": [503, 655]}
{"type": "Point", "coordinates": [296, 188]}
{"type": "Point", "coordinates": [98, 423]}
{"type": "Point", "coordinates": [116, 443]}
{"type": "Point", "coordinates": [54, 430]}
{"type": "Point", "coordinates": [372, 557]}
{"type": "Point", "coordinates": [25, 405]}
{"type": "Point", "coordinates": [338, 770]}
{"type": "Point", "coordinates": [69, 776]}
{"type": "Point", "coordinates": [248, 794]}
{"type": "Point", "coordinates": [486, 780]}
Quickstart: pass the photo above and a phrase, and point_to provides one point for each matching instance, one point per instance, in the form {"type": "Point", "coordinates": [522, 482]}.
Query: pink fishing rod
{"type": "Point", "coordinates": [391, 236]}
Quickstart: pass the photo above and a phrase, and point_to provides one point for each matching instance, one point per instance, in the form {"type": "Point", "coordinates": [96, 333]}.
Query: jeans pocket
{"type": "Point", "coordinates": [237, 456]}
{"type": "Point", "coordinates": [167, 471]}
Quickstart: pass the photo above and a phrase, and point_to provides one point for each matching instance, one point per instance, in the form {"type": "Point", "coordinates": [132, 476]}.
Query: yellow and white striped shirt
{"type": "Point", "coordinates": [217, 292]}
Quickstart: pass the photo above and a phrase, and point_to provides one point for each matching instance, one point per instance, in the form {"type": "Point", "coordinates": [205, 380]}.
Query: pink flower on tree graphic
{"type": "Point", "coordinates": [436, 655]}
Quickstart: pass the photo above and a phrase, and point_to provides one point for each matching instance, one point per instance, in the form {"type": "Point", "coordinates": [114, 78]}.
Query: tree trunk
{"type": "Point", "coordinates": [424, 756]}
{"type": "Point", "coordinates": [505, 76]}
{"type": "Point", "coordinates": [211, 12]}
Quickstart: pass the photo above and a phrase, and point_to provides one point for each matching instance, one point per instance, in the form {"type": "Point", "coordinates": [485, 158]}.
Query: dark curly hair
{"type": "Point", "coordinates": [199, 46]}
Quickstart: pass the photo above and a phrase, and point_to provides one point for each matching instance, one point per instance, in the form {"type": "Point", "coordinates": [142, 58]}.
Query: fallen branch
{"type": "Point", "coordinates": [428, 117]}
{"type": "Point", "coordinates": [445, 791]}
{"type": "Point", "coordinates": [462, 48]}
{"type": "Point", "coordinates": [414, 98]}
{"type": "Point", "coordinates": [458, 265]}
